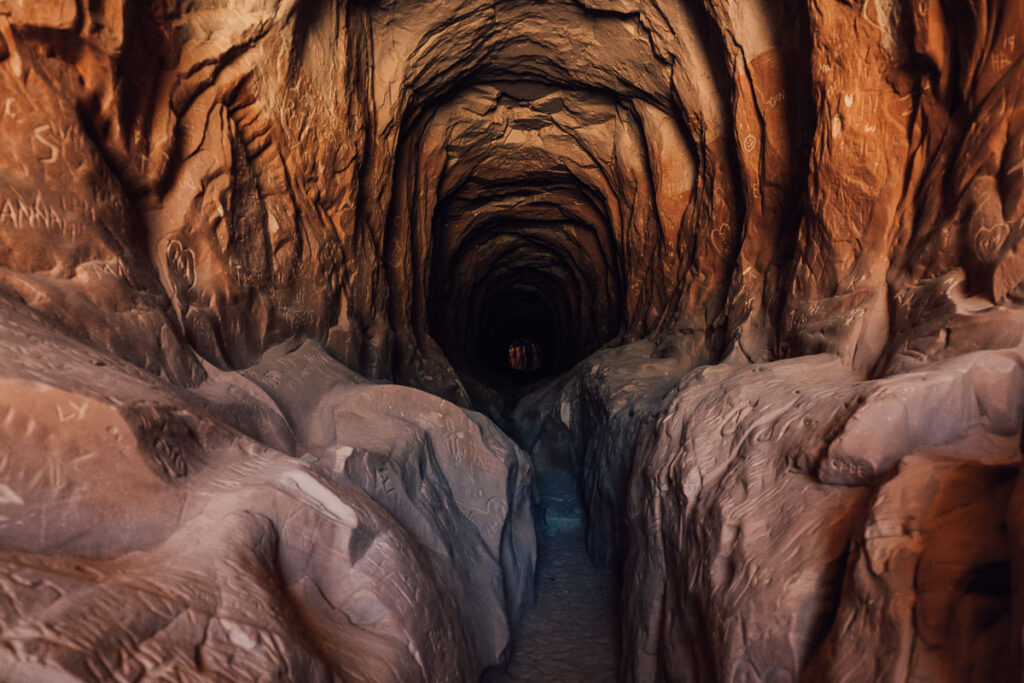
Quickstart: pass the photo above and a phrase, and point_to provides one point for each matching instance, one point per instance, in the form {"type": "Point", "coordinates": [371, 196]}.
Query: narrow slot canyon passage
{"type": "Point", "coordinates": [496, 340]}
{"type": "Point", "coordinates": [525, 282]}
{"type": "Point", "coordinates": [573, 632]}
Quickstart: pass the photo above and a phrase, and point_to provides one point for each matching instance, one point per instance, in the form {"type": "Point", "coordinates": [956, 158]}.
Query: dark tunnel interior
{"type": "Point", "coordinates": [528, 285]}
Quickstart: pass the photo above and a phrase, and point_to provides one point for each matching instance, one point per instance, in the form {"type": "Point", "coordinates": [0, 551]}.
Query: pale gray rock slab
{"type": "Point", "coordinates": [745, 554]}
{"type": "Point", "coordinates": [143, 535]}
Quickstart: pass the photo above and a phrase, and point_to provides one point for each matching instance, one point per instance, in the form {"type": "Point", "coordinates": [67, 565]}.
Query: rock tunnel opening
{"type": "Point", "coordinates": [525, 281]}
{"type": "Point", "coordinates": [531, 202]}
{"type": "Point", "coordinates": [542, 220]}
{"type": "Point", "coordinates": [519, 315]}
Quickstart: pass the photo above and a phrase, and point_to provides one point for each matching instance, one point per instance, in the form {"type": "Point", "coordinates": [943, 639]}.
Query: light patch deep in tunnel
{"type": "Point", "coordinates": [525, 282]}
{"type": "Point", "coordinates": [537, 281]}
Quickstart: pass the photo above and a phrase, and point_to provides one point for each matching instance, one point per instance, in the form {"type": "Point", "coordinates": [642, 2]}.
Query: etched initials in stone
{"type": "Point", "coordinates": [182, 261]}
{"type": "Point", "coordinates": [54, 151]}
{"type": "Point", "coordinates": [74, 412]}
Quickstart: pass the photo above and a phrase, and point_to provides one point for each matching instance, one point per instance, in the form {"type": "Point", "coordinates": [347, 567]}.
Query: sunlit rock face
{"type": "Point", "coordinates": [752, 270]}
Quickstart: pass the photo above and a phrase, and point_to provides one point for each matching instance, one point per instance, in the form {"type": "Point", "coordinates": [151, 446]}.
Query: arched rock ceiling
{"type": "Point", "coordinates": [543, 113]}
{"type": "Point", "coordinates": [493, 176]}
{"type": "Point", "coordinates": [761, 177]}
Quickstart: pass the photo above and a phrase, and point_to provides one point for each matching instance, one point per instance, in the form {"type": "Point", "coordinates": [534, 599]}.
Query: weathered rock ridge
{"type": "Point", "coordinates": [793, 519]}
{"type": "Point", "coordinates": [149, 531]}
{"type": "Point", "coordinates": [752, 271]}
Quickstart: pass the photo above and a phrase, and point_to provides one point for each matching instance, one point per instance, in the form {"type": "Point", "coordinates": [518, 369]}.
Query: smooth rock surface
{"type": "Point", "coordinates": [144, 535]}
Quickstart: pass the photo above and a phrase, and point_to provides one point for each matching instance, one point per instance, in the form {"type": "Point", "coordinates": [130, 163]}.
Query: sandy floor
{"type": "Point", "coordinates": [573, 632]}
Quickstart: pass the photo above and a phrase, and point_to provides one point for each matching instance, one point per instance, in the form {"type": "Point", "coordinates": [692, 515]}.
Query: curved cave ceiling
{"type": "Point", "coordinates": [548, 195]}
{"type": "Point", "coordinates": [535, 222]}
{"type": "Point", "coordinates": [419, 190]}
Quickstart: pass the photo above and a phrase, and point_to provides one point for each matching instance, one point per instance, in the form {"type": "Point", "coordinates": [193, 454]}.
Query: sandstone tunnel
{"type": "Point", "coordinates": [495, 340]}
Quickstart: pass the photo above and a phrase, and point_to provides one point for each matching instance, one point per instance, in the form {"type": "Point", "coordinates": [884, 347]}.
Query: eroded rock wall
{"type": "Point", "coordinates": [795, 519]}
{"type": "Point", "coordinates": [294, 523]}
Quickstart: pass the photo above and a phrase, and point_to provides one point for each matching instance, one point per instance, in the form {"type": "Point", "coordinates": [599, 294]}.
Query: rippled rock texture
{"type": "Point", "coordinates": [316, 528]}
{"type": "Point", "coordinates": [756, 268]}
{"type": "Point", "coordinates": [794, 518]}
